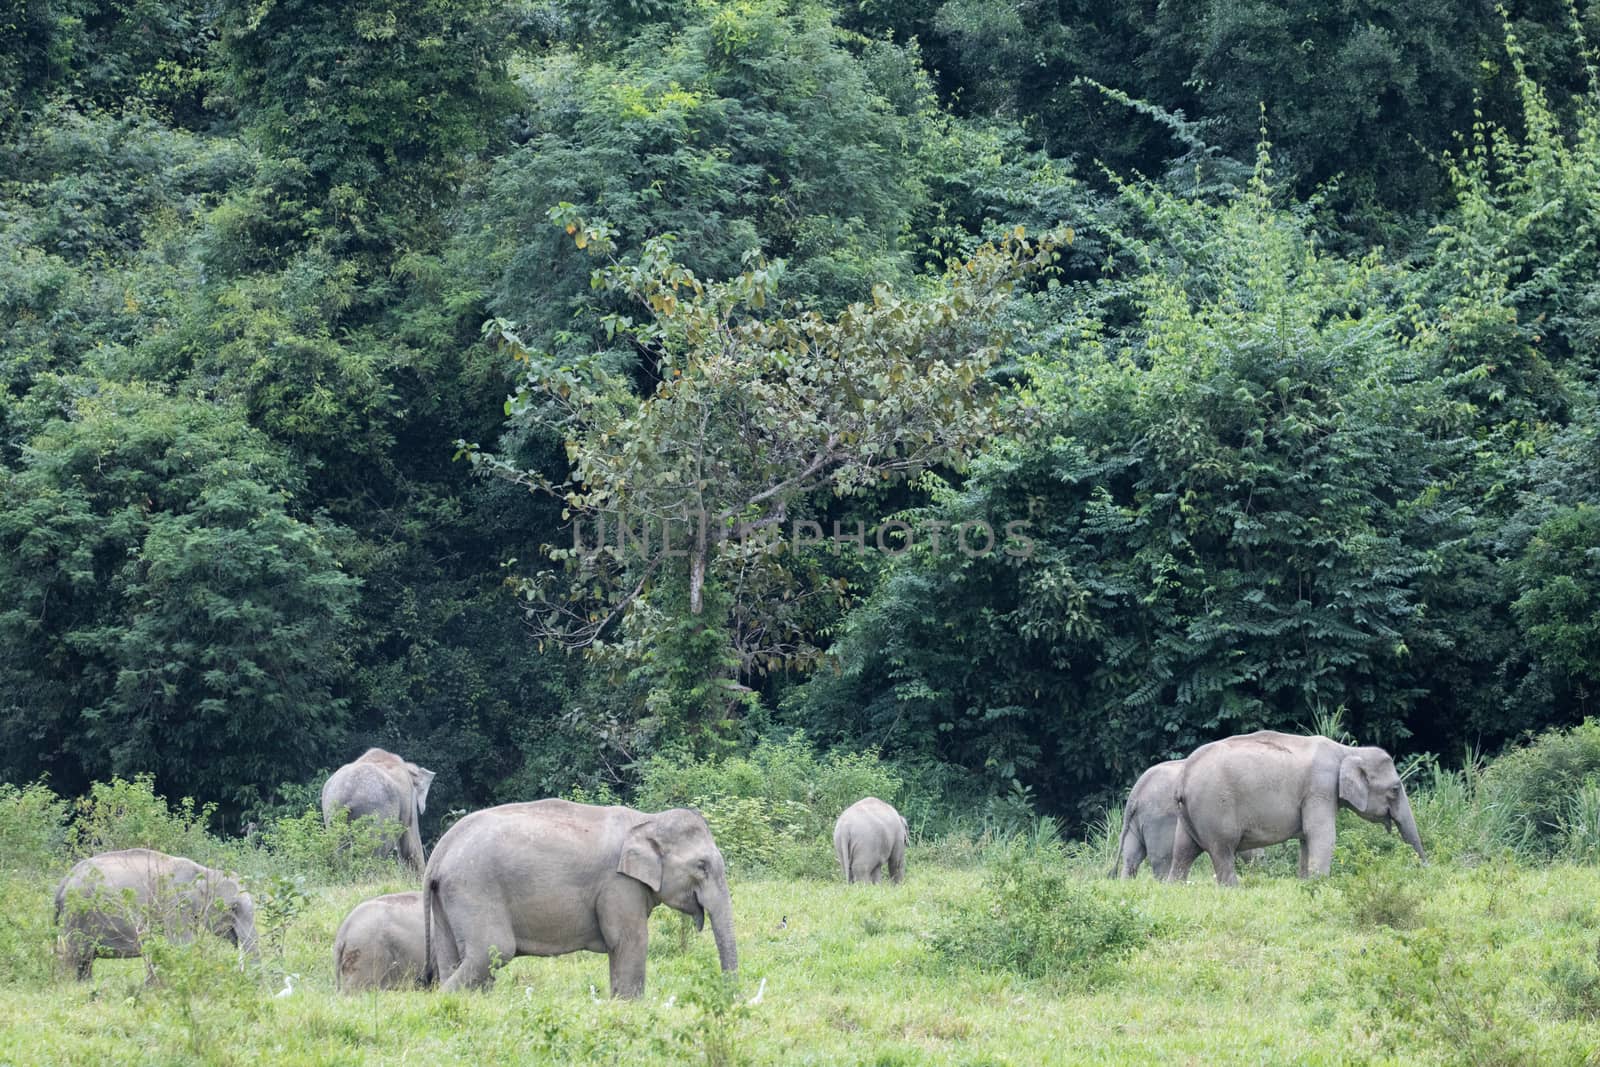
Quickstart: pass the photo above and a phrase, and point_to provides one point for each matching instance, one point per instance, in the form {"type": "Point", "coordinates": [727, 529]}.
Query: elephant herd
{"type": "Point", "coordinates": [1243, 793]}
{"type": "Point", "coordinates": [550, 877]}
{"type": "Point", "coordinates": [543, 878]}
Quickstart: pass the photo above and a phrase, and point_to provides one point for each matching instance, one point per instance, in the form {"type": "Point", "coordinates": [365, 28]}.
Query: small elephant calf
{"type": "Point", "coordinates": [107, 905]}
{"type": "Point", "coordinates": [869, 836]}
{"type": "Point", "coordinates": [380, 945]}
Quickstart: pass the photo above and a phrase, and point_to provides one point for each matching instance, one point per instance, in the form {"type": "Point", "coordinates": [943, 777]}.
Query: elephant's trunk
{"type": "Point", "coordinates": [1407, 825]}
{"type": "Point", "coordinates": [720, 911]}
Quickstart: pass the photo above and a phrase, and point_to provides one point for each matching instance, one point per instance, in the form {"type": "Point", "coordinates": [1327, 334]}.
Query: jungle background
{"type": "Point", "coordinates": [322, 324]}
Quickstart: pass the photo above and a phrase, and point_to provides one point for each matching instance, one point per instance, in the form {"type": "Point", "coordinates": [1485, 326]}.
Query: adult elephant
{"type": "Point", "coordinates": [1262, 788]}
{"type": "Point", "coordinates": [550, 877]}
{"type": "Point", "coordinates": [383, 785]}
{"type": "Point", "coordinates": [869, 836]}
{"type": "Point", "coordinates": [1150, 821]}
{"type": "Point", "coordinates": [380, 944]}
{"type": "Point", "coordinates": [108, 904]}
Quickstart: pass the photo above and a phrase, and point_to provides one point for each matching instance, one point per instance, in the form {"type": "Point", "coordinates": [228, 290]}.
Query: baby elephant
{"type": "Point", "coordinates": [868, 835]}
{"type": "Point", "coordinates": [108, 903]}
{"type": "Point", "coordinates": [380, 945]}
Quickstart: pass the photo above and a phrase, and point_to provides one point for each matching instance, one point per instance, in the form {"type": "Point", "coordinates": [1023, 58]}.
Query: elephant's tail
{"type": "Point", "coordinates": [1185, 824]}
{"type": "Point", "coordinates": [1119, 866]}
{"type": "Point", "coordinates": [430, 898]}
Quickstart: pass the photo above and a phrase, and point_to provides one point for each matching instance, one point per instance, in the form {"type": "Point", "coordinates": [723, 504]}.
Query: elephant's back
{"type": "Point", "coordinates": [549, 832]}
{"type": "Point", "coordinates": [362, 789]}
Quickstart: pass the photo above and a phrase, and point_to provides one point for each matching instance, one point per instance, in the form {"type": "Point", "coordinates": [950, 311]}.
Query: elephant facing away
{"type": "Point", "coordinates": [550, 877]}
{"type": "Point", "coordinates": [383, 785]}
{"type": "Point", "coordinates": [1262, 788]}
{"type": "Point", "coordinates": [108, 904]}
{"type": "Point", "coordinates": [1150, 821]}
{"type": "Point", "coordinates": [869, 836]}
{"type": "Point", "coordinates": [380, 945]}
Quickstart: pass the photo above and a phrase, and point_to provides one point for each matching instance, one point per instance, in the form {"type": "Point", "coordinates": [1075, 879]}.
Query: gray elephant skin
{"type": "Point", "coordinates": [1150, 821]}
{"type": "Point", "coordinates": [108, 903]}
{"type": "Point", "coordinates": [869, 836]}
{"type": "Point", "coordinates": [1262, 788]}
{"type": "Point", "coordinates": [383, 785]}
{"type": "Point", "coordinates": [380, 944]}
{"type": "Point", "coordinates": [550, 877]}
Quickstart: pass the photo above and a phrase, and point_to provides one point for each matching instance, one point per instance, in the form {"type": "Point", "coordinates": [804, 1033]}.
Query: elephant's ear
{"type": "Point", "coordinates": [421, 779]}
{"type": "Point", "coordinates": [1353, 782]}
{"type": "Point", "coordinates": [641, 858]}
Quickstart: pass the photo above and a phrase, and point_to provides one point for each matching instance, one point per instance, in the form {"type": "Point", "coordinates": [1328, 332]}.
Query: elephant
{"type": "Point", "coordinates": [869, 835]}
{"type": "Point", "coordinates": [382, 784]}
{"type": "Point", "coordinates": [380, 944]}
{"type": "Point", "coordinates": [1266, 787]}
{"type": "Point", "coordinates": [1150, 820]}
{"type": "Point", "coordinates": [107, 905]}
{"type": "Point", "coordinates": [549, 877]}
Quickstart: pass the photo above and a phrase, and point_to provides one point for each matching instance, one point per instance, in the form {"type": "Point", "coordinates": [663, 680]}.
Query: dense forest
{"type": "Point", "coordinates": [1021, 392]}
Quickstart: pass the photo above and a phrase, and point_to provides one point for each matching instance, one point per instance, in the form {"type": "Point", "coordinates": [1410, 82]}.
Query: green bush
{"type": "Point", "coordinates": [1576, 985]}
{"type": "Point", "coordinates": [121, 814]}
{"type": "Point", "coordinates": [27, 931]}
{"type": "Point", "coordinates": [1382, 894]}
{"type": "Point", "coordinates": [1035, 919]}
{"type": "Point", "coordinates": [1533, 790]}
{"type": "Point", "coordinates": [807, 789]}
{"type": "Point", "coordinates": [774, 809]}
{"type": "Point", "coordinates": [347, 850]}
{"type": "Point", "coordinates": [33, 827]}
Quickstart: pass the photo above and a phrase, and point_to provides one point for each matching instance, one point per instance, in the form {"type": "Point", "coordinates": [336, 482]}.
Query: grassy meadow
{"type": "Point", "coordinates": [1388, 963]}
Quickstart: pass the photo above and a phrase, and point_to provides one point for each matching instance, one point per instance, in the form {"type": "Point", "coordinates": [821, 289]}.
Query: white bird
{"type": "Point", "coordinates": [670, 1001]}
{"type": "Point", "coordinates": [594, 994]}
{"type": "Point", "coordinates": [288, 985]}
{"type": "Point", "coordinates": [760, 990]}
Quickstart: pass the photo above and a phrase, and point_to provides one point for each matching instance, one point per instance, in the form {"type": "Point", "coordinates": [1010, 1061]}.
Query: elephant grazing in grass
{"type": "Point", "coordinates": [869, 836]}
{"type": "Point", "coordinates": [380, 944]}
{"type": "Point", "coordinates": [551, 877]}
{"type": "Point", "coordinates": [1262, 788]}
{"type": "Point", "coordinates": [108, 904]}
{"type": "Point", "coordinates": [383, 785]}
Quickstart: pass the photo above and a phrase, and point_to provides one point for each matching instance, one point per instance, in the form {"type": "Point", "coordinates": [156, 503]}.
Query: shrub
{"type": "Point", "coordinates": [1382, 894]}
{"type": "Point", "coordinates": [33, 827]}
{"type": "Point", "coordinates": [346, 850]}
{"type": "Point", "coordinates": [121, 814]}
{"type": "Point", "coordinates": [1432, 995]}
{"type": "Point", "coordinates": [810, 791]}
{"type": "Point", "coordinates": [27, 930]}
{"type": "Point", "coordinates": [1533, 788]}
{"type": "Point", "coordinates": [1035, 919]}
{"type": "Point", "coordinates": [1576, 985]}
{"type": "Point", "coordinates": [775, 808]}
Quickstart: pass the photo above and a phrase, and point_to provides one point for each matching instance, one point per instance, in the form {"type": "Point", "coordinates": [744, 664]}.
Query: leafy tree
{"type": "Point", "coordinates": [748, 418]}
{"type": "Point", "coordinates": [165, 610]}
{"type": "Point", "coordinates": [749, 126]}
{"type": "Point", "coordinates": [368, 108]}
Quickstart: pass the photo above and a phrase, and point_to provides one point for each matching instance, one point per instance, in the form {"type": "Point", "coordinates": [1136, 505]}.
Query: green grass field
{"type": "Point", "coordinates": [1383, 963]}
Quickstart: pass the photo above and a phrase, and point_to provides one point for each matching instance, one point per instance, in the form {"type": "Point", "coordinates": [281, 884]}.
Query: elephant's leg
{"type": "Point", "coordinates": [1305, 858]}
{"type": "Point", "coordinates": [1319, 822]}
{"type": "Point", "coordinates": [1185, 850]}
{"type": "Point", "coordinates": [876, 874]}
{"type": "Point", "coordinates": [627, 938]}
{"type": "Point", "coordinates": [411, 853]}
{"type": "Point", "coordinates": [1223, 863]}
{"type": "Point", "coordinates": [487, 943]}
{"type": "Point", "coordinates": [1133, 854]}
{"type": "Point", "coordinates": [897, 864]}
